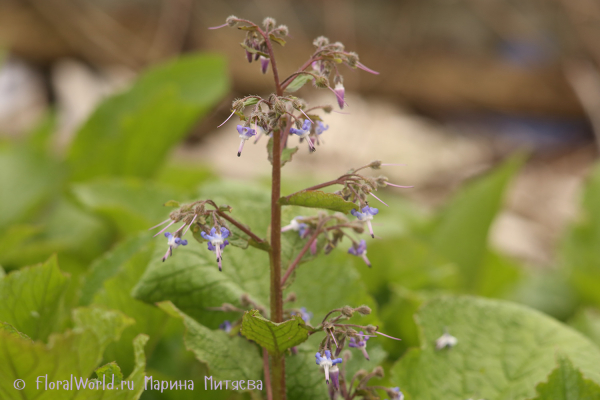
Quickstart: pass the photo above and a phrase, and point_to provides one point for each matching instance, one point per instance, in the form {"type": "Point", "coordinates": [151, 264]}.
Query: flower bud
{"type": "Point", "coordinates": [352, 59]}
{"type": "Point", "coordinates": [347, 311]}
{"type": "Point", "coordinates": [371, 329]}
{"type": "Point", "coordinates": [290, 298]}
{"type": "Point", "coordinates": [328, 109]}
{"type": "Point", "coordinates": [321, 41]}
{"type": "Point", "coordinates": [364, 310]}
{"type": "Point", "coordinates": [232, 21]}
{"type": "Point", "coordinates": [321, 82]}
{"type": "Point", "coordinates": [378, 371]}
{"type": "Point", "coordinates": [376, 164]}
{"type": "Point", "coordinates": [338, 46]}
{"type": "Point", "coordinates": [269, 23]}
{"type": "Point", "coordinates": [238, 105]}
{"type": "Point", "coordinates": [281, 30]}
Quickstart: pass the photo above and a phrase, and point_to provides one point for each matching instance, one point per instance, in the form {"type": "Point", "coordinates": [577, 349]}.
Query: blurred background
{"type": "Point", "coordinates": [463, 86]}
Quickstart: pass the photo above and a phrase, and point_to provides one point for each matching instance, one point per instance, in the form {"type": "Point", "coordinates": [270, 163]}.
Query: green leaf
{"type": "Point", "coordinates": [251, 101]}
{"type": "Point", "coordinates": [253, 50]}
{"type": "Point", "coordinates": [277, 40]}
{"type": "Point", "coordinates": [130, 134]}
{"type": "Point", "coordinates": [275, 337]}
{"type": "Point", "coordinates": [9, 329]}
{"type": "Point", "coordinates": [73, 353]}
{"type": "Point", "coordinates": [587, 321]}
{"type": "Point", "coordinates": [330, 282]}
{"type": "Point", "coordinates": [106, 325]}
{"type": "Point", "coordinates": [503, 351]}
{"type": "Point", "coordinates": [567, 383]}
{"type": "Point", "coordinates": [461, 236]}
{"type": "Point", "coordinates": [115, 293]}
{"type": "Point", "coordinates": [286, 154]}
{"type": "Point", "coordinates": [248, 204]}
{"type": "Point", "coordinates": [31, 298]}
{"type": "Point", "coordinates": [579, 251]}
{"type": "Point", "coordinates": [109, 265]}
{"type": "Point", "coordinates": [227, 357]}
{"type": "Point", "coordinates": [318, 199]}
{"type": "Point", "coordinates": [27, 180]}
{"type": "Point", "coordinates": [130, 204]}
{"type": "Point", "coordinates": [172, 203]}
{"type": "Point", "coordinates": [192, 281]}
{"type": "Point", "coordinates": [298, 82]}
{"type": "Point", "coordinates": [109, 371]}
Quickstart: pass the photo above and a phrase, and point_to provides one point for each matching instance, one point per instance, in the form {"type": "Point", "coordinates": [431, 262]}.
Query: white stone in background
{"type": "Point", "coordinates": [78, 90]}
{"type": "Point", "coordinates": [22, 96]}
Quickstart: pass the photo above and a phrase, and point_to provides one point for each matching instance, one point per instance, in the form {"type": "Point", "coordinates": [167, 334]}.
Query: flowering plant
{"type": "Point", "coordinates": [281, 116]}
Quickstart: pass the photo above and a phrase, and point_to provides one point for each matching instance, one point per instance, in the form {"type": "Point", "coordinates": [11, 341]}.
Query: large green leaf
{"type": "Point", "coordinates": [227, 357]}
{"type": "Point", "coordinates": [109, 265]}
{"type": "Point", "coordinates": [27, 180]}
{"type": "Point", "coordinates": [567, 383]}
{"type": "Point", "coordinates": [131, 133]}
{"type": "Point", "coordinates": [130, 204]}
{"type": "Point", "coordinates": [587, 321]}
{"type": "Point", "coordinates": [31, 298]}
{"type": "Point", "coordinates": [298, 82]}
{"type": "Point", "coordinates": [330, 282]}
{"type": "Point", "coordinates": [318, 199]}
{"type": "Point", "coordinates": [461, 236]}
{"type": "Point", "coordinates": [73, 353]}
{"type": "Point", "coordinates": [503, 351]}
{"type": "Point", "coordinates": [115, 293]}
{"type": "Point", "coordinates": [579, 251]}
{"type": "Point", "coordinates": [275, 337]}
{"type": "Point", "coordinates": [192, 281]}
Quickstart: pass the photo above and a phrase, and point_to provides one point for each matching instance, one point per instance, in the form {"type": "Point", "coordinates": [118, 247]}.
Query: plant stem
{"type": "Point", "coordinates": [276, 292]}
{"type": "Point", "coordinates": [295, 263]}
{"type": "Point", "coordinates": [241, 227]}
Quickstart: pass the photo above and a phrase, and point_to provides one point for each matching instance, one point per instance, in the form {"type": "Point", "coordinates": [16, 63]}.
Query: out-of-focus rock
{"type": "Point", "coordinates": [23, 96]}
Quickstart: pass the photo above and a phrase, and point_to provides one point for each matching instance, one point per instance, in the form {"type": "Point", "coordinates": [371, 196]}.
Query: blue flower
{"type": "Point", "coordinates": [306, 315]}
{"type": "Point", "coordinates": [304, 133]}
{"type": "Point", "coordinates": [361, 344]}
{"type": "Point", "coordinates": [300, 227]}
{"type": "Point", "coordinates": [326, 362]}
{"type": "Point", "coordinates": [245, 134]}
{"type": "Point", "coordinates": [320, 128]}
{"type": "Point", "coordinates": [360, 250]}
{"type": "Point", "coordinates": [395, 393]}
{"type": "Point", "coordinates": [366, 215]}
{"type": "Point", "coordinates": [174, 242]}
{"type": "Point", "coordinates": [217, 242]}
{"type": "Point", "coordinates": [225, 326]}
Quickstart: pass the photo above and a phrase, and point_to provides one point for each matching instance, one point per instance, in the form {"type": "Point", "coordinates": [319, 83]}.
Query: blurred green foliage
{"type": "Point", "coordinates": [92, 298]}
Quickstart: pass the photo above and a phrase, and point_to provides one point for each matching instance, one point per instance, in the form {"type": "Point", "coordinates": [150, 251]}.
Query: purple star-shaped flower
{"type": "Point", "coordinates": [174, 242]}
{"type": "Point", "coordinates": [360, 250]}
{"type": "Point", "coordinates": [366, 215]}
{"type": "Point", "coordinates": [304, 133]}
{"type": "Point", "coordinates": [326, 362]}
{"type": "Point", "coordinates": [217, 242]}
{"type": "Point", "coordinates": [306, 315]}
{"type": "Point", "coordinates": [245, 134]}
{"type": "Point", "coordinates": [360, 343]}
